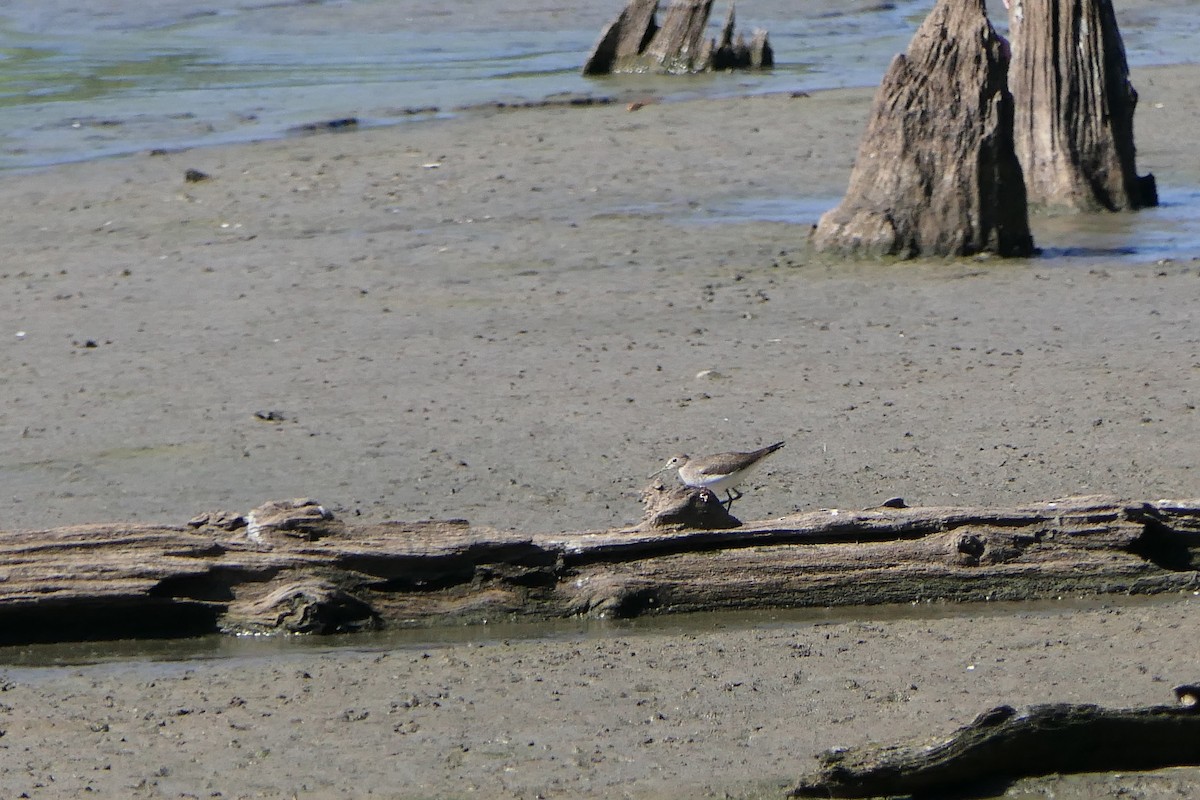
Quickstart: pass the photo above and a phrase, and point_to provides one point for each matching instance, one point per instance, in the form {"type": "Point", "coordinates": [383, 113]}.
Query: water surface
{"type": "Point", "coordinates": [1168, 232]}
{"type": "Point", "coordinates": [25, 661]}
{"type": "Point", "coordinates": [84, 80]}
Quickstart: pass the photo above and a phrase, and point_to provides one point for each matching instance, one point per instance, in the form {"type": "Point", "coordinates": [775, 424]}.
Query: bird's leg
{"type": "Point", "coordinates": [731, 493]}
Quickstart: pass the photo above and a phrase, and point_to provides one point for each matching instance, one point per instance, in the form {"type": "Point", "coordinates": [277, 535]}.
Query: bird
{"type": "Point", "coordinates": [718, 471]}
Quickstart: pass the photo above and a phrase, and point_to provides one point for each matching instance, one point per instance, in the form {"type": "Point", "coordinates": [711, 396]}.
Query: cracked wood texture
{"type": "Point", "coordinates": [1004, 743]}
{"type": "Point", "coordinates": [635, 42]}
{"type": "Point", "coordinates": [1074, 106]}
{"type": "Point", "coordinates": [936, 173]}
{"type": "Point", "coordinates": [292, 568]}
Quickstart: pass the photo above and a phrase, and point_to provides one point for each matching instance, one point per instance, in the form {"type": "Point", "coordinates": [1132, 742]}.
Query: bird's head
{"type": "Point", "coordinates": [674, 462]}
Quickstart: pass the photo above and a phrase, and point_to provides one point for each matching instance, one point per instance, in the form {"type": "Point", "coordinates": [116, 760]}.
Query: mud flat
{"type": "Point", "coordinates": [485, 318]}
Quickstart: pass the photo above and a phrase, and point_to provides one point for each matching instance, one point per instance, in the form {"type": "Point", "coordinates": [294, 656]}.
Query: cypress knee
{"type": "Point", "coordinates": [635, 42]}
{"type": "Point", "coordinates": [936, 172]}
{"type": "Point", "coordinates": [1074, 107]}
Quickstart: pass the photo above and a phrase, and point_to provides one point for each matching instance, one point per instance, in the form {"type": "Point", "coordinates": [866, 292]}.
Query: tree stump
{"type": "Point", "coordinates": [679, 44]}
{"type": "Point", "coordinates": [620, 45]}
{"type": "Point", "coordinates": [634, 42]}
{"type": "Point", "coordinates": [936, 173]}
{"type": "Point", "coordinates": [1073, 120]}
{"type": "Point", "coordinates": [729, 52]}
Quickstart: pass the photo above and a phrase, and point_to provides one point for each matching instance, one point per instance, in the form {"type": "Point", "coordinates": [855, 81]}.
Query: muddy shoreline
{"type": "Point", "coordinates": [717, 707]}
{"type": "Point", "coordinates": [513, 317]}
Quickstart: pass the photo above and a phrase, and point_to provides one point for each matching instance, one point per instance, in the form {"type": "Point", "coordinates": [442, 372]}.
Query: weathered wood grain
{"type": "Point", "coordinates": [936, 173]}
{"type": "Point", "coordinates": [1074, 107]}
{"type": "Point", "coordinates": [635, 42]}
{"type": "Point", "coordinates": [1005, 743]}
{"type": "Point", "coordinates": [288, 567]}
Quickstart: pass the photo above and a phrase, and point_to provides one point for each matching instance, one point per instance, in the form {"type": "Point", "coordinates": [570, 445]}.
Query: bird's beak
{"type": "Point", "coordinates": [659, 471]}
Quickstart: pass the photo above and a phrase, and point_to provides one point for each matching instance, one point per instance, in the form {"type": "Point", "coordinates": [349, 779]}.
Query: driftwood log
{"type": "Point", "coordinates": [1073, 120]}
{"type": "Point", "coordinates": [1003, 744]}
{"type": "Point", "coordinates": [936, 172]}
{"type": "Point", "coordinates": [291, 567]}
{"type": "Point", "coordinates": [634, 42]}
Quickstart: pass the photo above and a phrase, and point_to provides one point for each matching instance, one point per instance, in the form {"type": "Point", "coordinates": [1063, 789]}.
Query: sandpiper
{"type": "Point", "coordinates": [719, 470]}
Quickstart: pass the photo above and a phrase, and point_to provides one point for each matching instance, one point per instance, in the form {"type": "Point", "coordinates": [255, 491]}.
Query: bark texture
{"type": "Point", "coordinates": [290, 567]}
{"type": "Point", "coordinates": [677, 45]}
{"type": "Point", "coordinates": [1073, 121]}
{"type": "Point", "coordinates": [936, 173]}
{"type": "Point", "coordinates": [634, 42]}
{"type": "Point", "coordinates": [621, 43]}
{"type": "Point", "coordinates": [1004, 743]}
{"type": "Point", "coordinates": [682, 507]}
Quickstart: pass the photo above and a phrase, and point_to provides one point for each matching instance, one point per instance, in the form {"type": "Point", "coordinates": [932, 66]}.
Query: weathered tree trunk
{"type": "Point", "coordinates": [677, 45]}
{"type": "Point", "coordinates": [761, 54]}
{"type": "Point", "coordinates": [732, 52]}
{"type": "Point", "coordinates": [936, 173]}
{"type": "Point", "coordinates": [290, 567]}
{"type": "Point", "coordinates": [1004, 744]}
{"type": "Point", "coordinates": [1073, 121]}
{"type": "Point", "coordinates": [634, 42]}
{"type": "Point", "coordinates": [620, 45]}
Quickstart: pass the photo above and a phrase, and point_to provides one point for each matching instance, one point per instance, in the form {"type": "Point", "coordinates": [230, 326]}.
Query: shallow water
{"type": "Point", "coordinates": [26, 661]}
{"type": "Point", "coordinates": [84, 80]}
{"type": "Point", "coordinates": [1168, 232]}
